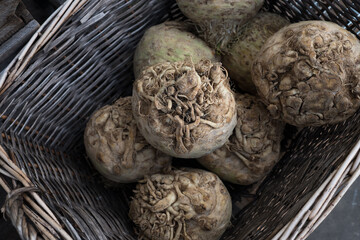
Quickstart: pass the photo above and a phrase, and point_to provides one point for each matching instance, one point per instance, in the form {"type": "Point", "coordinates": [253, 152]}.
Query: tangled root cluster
{"type": "Point", "coordinates": [309, 73]}
{"type": "Point", "coordinates": [183, 109]}
{"type": "Point", "coordinates": [188, 204]}
{"type": "Point", "coordinates": [220, 26]}
{"type": "Point", "coordinates": [253, 149]}
{"type": "Point", "coordinates": [117, 149]}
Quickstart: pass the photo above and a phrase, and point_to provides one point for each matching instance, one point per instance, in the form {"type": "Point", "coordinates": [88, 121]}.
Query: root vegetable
{"type": "Point", "coordinates": [254, 147]}
{"type": "Point", "coordinates": [240, 54]}
{"type": "Point", "coordinates": [185, 110]}
{"type": "Point", "coordinates": [308, 73]}
{"type": "Point", "coordinates": [170, 42]}
{"type": "Point", "coordinates": [219, 21]}
{"type": "Point", "coordinates": [184, 204]}
{"type": "Point", "coordinates": [116, 147]}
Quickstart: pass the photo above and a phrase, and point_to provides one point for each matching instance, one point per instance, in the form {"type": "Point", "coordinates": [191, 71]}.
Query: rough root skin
{"type": "Point", "coordinates": [170, 42]}
{"type": "Point", "coordinates": [253, 148]}
{"type": "Point", "coordinates": [219, 21]}
{"type": "Point", "coordinates": [187, 204]}
{"type": "Point", "coordinates": [308, 74]}
{"type": "Point", "coordinates": [183, 109]}
{"type": "Point", "coordinates": [219, 34]}
{"type": "Point", "coordinates": [116, 148]}
{"type": "Point", "coordinates": [241, 53]}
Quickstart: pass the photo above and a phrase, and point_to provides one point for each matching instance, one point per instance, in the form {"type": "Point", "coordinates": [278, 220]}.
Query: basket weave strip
{"type": "Point", "coordinates": [67, 75]}
{"type": "Point", "coordinates": [16, 209]}
{"type": "Point", "coordinates": [343, 12]}
{"type": "Point", "coordinates": [298, 176]}
{"type": "Point", "coordinates": [77, 200]}
{"type": "Point", "coordinates": [324, 199]}
{"type": "Point", "coordinates": [37, 41]}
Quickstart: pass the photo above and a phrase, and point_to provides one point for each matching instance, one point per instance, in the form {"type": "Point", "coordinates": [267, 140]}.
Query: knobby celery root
{"type": "Point", "coordinates": [308, 74]}
{"type": "Point", "coordinates": [240, 54]}
{"type": "Point", "coordinates": [117, 149]}
{"type": "Point", "coordinates": [254, 147]}
{"type": "Point", "coordinates": [183, 204]}
{"type": "Point", "coordinates": [219, 21]}
{"type": "Point", "coordinates": [184, 109]}
{"type": "Point", "coordinates": [170, 42]}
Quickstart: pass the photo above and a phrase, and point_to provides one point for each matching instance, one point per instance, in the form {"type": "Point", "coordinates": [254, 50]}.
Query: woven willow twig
{"type": "Point", "coordinates": [85, 209]}
{"type": "Point", "coordinates": [16, 213]}
{"type": "Point", "coordinates": [7, 164]}
{"type": "Point", "coordinates": [52, 24]}
{"type": "Point", "coordinates": [334, 202]}
{"type": "Point", "coordinates": [14, 170]}
{"type": "Point", "coordinates": [330, 205]}
{"type": "Point", "coordinates": [321, 200]}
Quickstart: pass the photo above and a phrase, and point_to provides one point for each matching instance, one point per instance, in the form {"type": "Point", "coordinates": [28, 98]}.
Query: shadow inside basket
{"type": "Point", "coordinates": [87, 64]}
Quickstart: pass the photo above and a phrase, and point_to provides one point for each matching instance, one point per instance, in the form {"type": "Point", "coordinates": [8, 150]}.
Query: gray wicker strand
{"type": "Point", "coordinates": [17, 210]}
{"type": "Point", "coordinates": [90, 56]}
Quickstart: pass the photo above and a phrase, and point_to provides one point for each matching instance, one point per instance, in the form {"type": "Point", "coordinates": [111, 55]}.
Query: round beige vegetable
{"type": "Point", "coordinates": [117, 149]}
{"type": "Point", "coordinates": [219, 21]}
{"type": "Point", "coordinates": [241, 53]}
{"type": "Point", "coordinates": [184, 204]}
{"type": "Point", "coordinates": [169, 42]}
{"type": "Point", "coordinates": [308, 74]}
{"type": "Point", "coordinates": [253, 148]}
{"type": "Point", "coordinates": [185, 110]}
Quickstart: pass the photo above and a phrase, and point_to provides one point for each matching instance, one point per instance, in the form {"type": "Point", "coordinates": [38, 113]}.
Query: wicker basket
{"type": "Point", "coordinates": [81, 59]}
